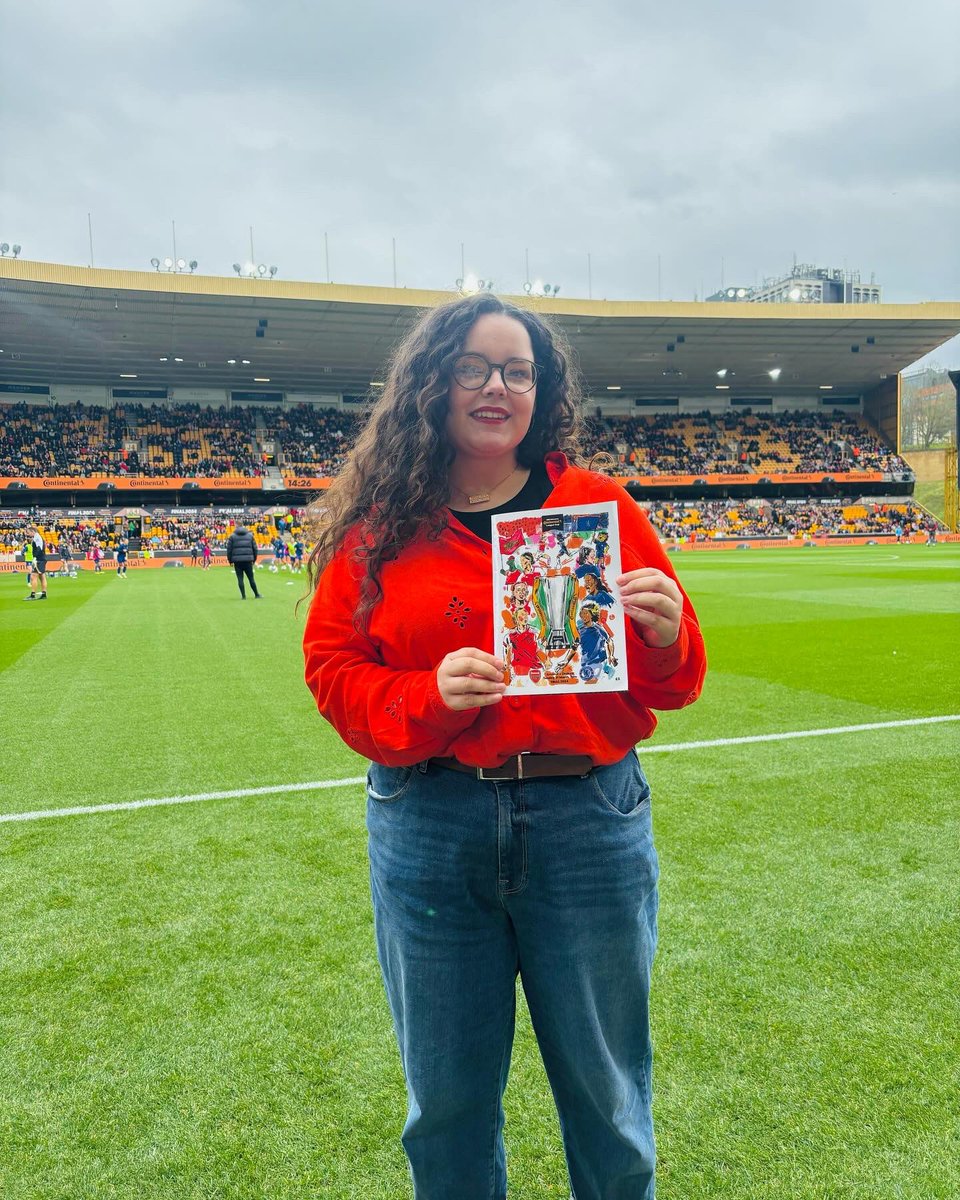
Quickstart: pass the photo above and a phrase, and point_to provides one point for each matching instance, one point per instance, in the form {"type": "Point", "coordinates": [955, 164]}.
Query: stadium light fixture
{"type": "Point", "coordinates": [231, 362]}
{"type": "Point", "coordinates": [722, 387]}
{"type": "Point", "coordinates": [722, 373]}
{"type": "Point", "coordinates": [174, 267]}
{"type": "Point", "coordinates": [122, 376]}
{"type": "Point", "coordinates": [252, 270]}
{"type": "Point", "coordinates": [163, 358]}
{"type": "Point", "coordinates": [178, 360]}
{"type": "Point", "coordinates": [795, 294]}
{"type": "Point", "coordinates": [774, 373]}
{"type": "Point", "coordinates": [376, 383]}
{"type": "Point", "coordinates": [614, 387]}
{"type": "Point", "coordinates": [826, 387]}
{"type": "Point", "coordinates": [245, 361]}
{"type": "Point", "coordinates": [261, 379]}
{"type": "Point", "coordinates": [539, 288]}
{"type": "Point", "coordinates": [4, 248]}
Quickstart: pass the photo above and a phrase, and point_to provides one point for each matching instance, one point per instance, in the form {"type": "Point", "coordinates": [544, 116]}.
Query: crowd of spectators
{"type": "Point", "coordinates": [785, 518]}
{"type": "Point", "coordinates": [68, 440]}
{"type": "Point", "coordinates": [314, 441]}
{"type": "Point", "coordinates": [187, 440]}
{"type": "Point", "coordinates": [132, 439]}
{"type": "Point", "coordinates": [743, 443]}
{"type": "Point", "coordinates": [689, 521]}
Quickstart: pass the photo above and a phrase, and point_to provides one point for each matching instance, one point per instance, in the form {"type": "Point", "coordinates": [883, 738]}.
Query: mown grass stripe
{"type": "Point", "coordinates": [239, 793]}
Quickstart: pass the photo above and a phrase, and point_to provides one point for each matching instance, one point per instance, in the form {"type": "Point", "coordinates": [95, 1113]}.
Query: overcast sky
{"type": "Point", "coordinates": [719, 137]}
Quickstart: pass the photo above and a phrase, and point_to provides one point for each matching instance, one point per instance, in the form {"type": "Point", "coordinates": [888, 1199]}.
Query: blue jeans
{"type": "Point", "coordinates": [552, 879]}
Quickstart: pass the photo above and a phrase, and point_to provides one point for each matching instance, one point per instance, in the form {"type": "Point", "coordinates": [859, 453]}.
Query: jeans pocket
{"type": "Point", "coordinates": [622, 786]}
{"type": "Point", "coordinates": [387, 784]}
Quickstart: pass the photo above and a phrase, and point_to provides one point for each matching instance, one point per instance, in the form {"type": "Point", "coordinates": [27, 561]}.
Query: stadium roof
{"type": "Point", "coordinates": [75, 325]}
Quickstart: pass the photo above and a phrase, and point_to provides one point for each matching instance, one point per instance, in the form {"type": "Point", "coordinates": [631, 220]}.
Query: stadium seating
{"type": "Point", "coordinates": [186, 440]}
{"type": "Point", "coordinates": [784, 518]}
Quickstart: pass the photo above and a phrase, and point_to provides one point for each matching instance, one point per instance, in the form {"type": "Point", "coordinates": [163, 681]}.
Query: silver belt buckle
{"type": "Point", "coordinates": [492, 778]}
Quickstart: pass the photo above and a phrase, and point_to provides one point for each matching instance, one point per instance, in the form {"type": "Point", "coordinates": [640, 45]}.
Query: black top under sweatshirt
{"type": "Point", "coordinates": [531, 496]}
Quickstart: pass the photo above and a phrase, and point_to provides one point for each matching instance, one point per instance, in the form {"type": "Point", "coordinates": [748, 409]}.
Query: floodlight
{"type": "Point", "coordinates": [273, 271]}
{"type": "Point", "coordinates": [155, 263]}
{"type": "Point", "coordinates": [722, 373]}
{"type": "Point", "coordinates": [4, 247]}
{"type": "Point", "coordinates": [741, 292]}
{"type": "Point", "coordinates": [16, 249]}
{"type": "Point", "coordinates": [236, 267]}
{"type": "Point", "coordinates": [774, 373]}
{"type": "Point", "coordinates": [261, 270]}
{"type": "Point", "coordinates": [168, 263]}
{"type": "Point", "coordinates": [193, 265]}
{"type": "Point", "coordinates": [794, 293]}
{"type": "Point", "coordinates": [181, 264]}
{"type": "Point", "coordinates": [526, 288]}
{"type": "Point", "coordinates": [231, 362]}
{"type": "Point", "coordinates": [731, 293]}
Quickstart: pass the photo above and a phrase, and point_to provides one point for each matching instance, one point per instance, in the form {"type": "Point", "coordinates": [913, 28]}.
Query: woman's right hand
{"type": "Point", "coordinates": [470, 678]}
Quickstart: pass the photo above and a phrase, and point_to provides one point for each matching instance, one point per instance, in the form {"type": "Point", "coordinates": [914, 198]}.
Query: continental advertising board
{"type": "Point", "coordinates": [129, 483]}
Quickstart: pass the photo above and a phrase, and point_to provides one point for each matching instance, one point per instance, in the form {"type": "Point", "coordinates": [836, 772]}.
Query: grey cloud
{"type": "Point", "coordinates": [625, 130]}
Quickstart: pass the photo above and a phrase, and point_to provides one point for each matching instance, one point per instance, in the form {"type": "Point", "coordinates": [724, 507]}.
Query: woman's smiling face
{"type": "Point", "coordinates": [488, 424]}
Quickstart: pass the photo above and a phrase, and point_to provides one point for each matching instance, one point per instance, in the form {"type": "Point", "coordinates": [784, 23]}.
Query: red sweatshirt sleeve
{"type": "Point", "coordinates": [394, 717]}
{"type": "Point", "coordinates": [671, 677]}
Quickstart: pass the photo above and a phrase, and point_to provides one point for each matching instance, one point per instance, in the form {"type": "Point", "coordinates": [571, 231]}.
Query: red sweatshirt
{"type": "Point", "coordinates": [379, 690]}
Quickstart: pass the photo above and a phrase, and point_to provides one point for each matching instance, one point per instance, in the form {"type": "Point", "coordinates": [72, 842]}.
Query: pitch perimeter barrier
{"type": "Point", "coordinates": [130, 483]}
{"type": "Point", "coordinates": [866, 539]}
{"type": "Point", "coordinates": [318, 482]}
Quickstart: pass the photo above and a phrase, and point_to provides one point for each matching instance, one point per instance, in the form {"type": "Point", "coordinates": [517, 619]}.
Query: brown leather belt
{"type": "Point", "coordinates": [524, 766]}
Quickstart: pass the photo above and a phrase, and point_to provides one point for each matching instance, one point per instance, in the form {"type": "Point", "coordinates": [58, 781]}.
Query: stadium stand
{"type": "Point", "coordinates": [164, 532]}
{"type": "Point", "coordinates": [313, 441]}
{"type": "Point", "coordinates": [786, 519]}
{"type": "Point", "coordinates": [185, 440]}
{"type": "Point", "coordinates": [742, 443]}
{"type": "Point", "coordinates": [128, 440]}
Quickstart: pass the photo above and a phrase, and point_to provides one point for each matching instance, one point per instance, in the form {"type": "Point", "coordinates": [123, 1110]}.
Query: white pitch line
{"type": "Point", "coordinates": [82, 810]}
{"type": "Point", "coordinates": [355, 780]}
{"type": "Point", "coordinates": [800, 733]}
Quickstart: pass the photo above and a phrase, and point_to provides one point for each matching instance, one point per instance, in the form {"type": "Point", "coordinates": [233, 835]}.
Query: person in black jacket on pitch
{"type": "Point", "coordinates": [242, 553]}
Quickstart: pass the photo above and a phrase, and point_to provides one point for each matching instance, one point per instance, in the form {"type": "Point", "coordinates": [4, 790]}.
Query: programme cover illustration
{"type": "Point", "coordinates": [557, 615]}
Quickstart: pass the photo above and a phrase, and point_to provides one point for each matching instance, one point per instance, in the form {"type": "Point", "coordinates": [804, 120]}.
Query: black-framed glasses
{"type": "Point", "coordinates": [471, 371]}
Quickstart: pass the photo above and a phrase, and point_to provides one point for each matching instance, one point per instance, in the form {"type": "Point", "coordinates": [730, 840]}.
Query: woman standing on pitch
{"type": "Point", "coordinates": [506, 835]}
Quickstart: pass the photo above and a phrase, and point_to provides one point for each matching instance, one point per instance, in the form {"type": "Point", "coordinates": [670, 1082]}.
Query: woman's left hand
{"type": "Point", "coordinates": [654, 603]}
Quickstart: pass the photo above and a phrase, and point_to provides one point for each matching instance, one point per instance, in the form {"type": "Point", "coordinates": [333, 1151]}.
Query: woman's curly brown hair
{"type": "Point", "coordinates": [394, 485]}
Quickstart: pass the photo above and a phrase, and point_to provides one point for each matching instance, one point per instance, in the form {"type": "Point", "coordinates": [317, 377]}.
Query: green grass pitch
{"type": "Point", "coordinates": [190, 1006]}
